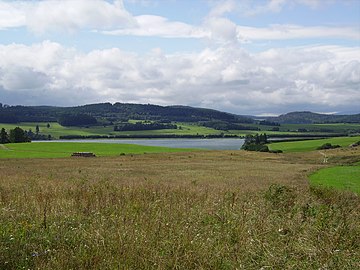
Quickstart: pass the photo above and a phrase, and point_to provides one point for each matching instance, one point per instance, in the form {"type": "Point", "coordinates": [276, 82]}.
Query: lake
{"type": "Point", "coordinates": [211, 144]}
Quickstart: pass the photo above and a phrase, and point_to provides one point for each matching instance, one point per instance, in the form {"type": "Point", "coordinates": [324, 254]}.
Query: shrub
{"type": "Point", "coordinates": [328, 146]}
{"type": "Point", "coordinates": [276, 151]}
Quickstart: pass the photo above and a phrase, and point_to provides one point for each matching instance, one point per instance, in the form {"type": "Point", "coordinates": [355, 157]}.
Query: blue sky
{"type": "Point", "coordinates": [241, 56]}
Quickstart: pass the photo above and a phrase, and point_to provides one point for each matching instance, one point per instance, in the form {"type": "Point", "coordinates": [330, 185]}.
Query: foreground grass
{"type": "Point", "coordinates": [200, 210]}
{"type": "Point", "coordinates": [340, 177]}
{"type": "Point", "coordinates": [62, 149]}
{"type": "Point", "coordinates": [310, 145]}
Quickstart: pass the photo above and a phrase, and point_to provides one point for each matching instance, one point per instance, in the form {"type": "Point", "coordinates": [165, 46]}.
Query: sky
{"type": "Point", "coordinates": [250, 57]}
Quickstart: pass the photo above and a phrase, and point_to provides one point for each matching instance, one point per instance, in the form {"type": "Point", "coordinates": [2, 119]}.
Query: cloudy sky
{"type": "Point", "coordinates": [240, 56]}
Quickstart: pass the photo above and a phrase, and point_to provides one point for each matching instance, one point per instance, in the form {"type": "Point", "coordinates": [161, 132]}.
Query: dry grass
{"type": "Point", "coordinates": [199, 210]}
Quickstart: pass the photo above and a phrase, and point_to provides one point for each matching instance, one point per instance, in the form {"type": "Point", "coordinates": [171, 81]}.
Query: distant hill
{"type": "Point", "coordinates": [107, 112]}
{"type": "Point", "coordinates": [313, 118]}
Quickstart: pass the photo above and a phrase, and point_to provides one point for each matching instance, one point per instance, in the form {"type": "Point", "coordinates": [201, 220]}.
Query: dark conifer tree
{"type": "Point", "coordinates": [4, 137]}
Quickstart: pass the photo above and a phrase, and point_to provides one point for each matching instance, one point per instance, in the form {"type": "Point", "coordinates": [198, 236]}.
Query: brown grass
{"type": "Point", "coordinates": [199, 210]}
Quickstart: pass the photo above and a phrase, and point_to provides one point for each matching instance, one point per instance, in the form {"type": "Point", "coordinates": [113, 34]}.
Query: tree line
{"type": "Point", "coordinates": [19, 135]}
{"type": "Point", "coordinates": [16, 135]}
{"type": "Point", "coordinates": [143, 126]}
{"type": "Point", "coordinates": [257, 143]}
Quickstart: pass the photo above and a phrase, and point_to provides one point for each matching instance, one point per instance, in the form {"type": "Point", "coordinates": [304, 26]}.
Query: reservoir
{"type": "Point", "coordinates": [211, 144]}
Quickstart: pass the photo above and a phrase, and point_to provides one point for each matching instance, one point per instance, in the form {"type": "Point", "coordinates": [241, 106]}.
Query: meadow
{"type": "Point", "coordinates": [310, 145]}
{"type": "Point", "coordinates": [189, 210]}
{"type": "Point", "coordinates": [339, 177]}
{"type": "Point", "coordinates": [56, 130]}
{"type": "Point", "coordinates": [65, 149]}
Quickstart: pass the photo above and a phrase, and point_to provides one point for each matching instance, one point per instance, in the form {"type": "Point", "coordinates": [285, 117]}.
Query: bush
{"type": "Point", "coordinates": [276, 151]}
{"type": "Point", "coordinates": [256, 147]}
{"type": "Point", "coordinates": [328, 146]}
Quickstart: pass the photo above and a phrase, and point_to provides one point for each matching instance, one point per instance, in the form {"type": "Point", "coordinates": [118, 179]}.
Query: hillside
{"type": "Point", "coordinates": [314, 118]}
{"type": "Point", "coordinates": [108, 112]}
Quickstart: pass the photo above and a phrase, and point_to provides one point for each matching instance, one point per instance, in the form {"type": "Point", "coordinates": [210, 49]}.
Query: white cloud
{"type": "Point", "coordinates": [66, 16]}
{"type": "Point", "coordinates": [151, 25]}
{"type": "Point", "coordinates": [222, 7]}
{"type": "Point", "coordinates": [283, 32]}
{"type": "Point", "coordinates": [227, 78]}
{"type": "Point", "coordinates": [11, 15]}
{"type": "Point", "coordinates": [254, 8]}
{"type": "Point", "coordinates": [270, 6]}
{"type": "Point", "coordinates": [112, 18]}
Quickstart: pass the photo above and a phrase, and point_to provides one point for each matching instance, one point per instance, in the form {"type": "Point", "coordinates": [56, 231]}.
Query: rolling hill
{"type": "Point", "coordinates": [107, 113]}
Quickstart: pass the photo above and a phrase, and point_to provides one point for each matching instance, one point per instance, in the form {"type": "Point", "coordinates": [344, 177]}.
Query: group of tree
{"type": "Point", "coordinates": [16, 135]}
{"type": "Point", "coordinates": [144, 126]}
{"type": "Point", "coordinates": [256, 142]}
{"type": "Point", "coordinates": [268, 123]}
{"type": "Point", "coordinates": [328, 146]}
{"type": "Point", "coordinates": [79, 119]}
{"type": "Point", "coordinates": [223, 125]}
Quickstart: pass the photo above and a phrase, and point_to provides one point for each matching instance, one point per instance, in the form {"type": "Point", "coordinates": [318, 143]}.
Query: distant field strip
{"type": "Point", "coordinates": [57, 149]}
{"type": "Point", "coordinates": [310, 145]}
{"type": "Point", "coordinates": [56, 130]}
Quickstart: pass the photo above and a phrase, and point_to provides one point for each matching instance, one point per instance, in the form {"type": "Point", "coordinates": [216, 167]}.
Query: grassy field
{"type": "Point", "coordinates": [60, 149]}
{"type": "Point", "coordinates": [338, 127]}
{"type": "Point", "coordinates": [314, 128]}
{"type": "Point", "coordinates": [198, 210]}
{"type": "Point", "coordinates": [310, 145]}
{"type": "Point", "coordinates": [57, 130]}
{"type": "Point", "coordinates": [340, 177]}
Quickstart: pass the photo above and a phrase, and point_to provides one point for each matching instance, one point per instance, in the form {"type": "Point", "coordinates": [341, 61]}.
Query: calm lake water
{"type": "Point", "coordinates": [211, 144]}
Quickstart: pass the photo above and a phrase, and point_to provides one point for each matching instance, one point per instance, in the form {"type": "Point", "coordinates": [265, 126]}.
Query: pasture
{"type": "Point", "coordinates": [311, 145]}
{"type": "Point", "coordinates": [194, 210]}
{"type": "Point", "coordinates": [65, 149]}
{"type": "Point", "coordinates": [56, 130]}
{"type": "Point", "coordinates": [339, 177]}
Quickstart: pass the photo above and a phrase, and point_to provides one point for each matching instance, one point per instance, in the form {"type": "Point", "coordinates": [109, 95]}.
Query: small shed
{"type": "Point", "coordinates": [83, 154]}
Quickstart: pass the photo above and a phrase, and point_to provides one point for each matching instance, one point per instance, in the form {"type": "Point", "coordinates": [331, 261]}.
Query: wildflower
{"type": "Point", "coordinates": [34, 254]}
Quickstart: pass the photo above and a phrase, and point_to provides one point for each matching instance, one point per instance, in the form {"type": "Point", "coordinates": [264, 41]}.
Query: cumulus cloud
{"type": "Point", "coordinates": [66, 16]}
{"type": "Point", "coordinates": [227, 78]}
{"type": "Point", "coordinates": [111, 18]}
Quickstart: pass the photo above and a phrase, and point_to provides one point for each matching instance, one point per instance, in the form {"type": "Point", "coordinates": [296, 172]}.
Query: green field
{"type": "Point", "coordinates": [310, 145]}
{"type": "Point", "coordinates": [57, 130]}
{"type": "Point", "coordinates": [339, 177]}
{"type": "Point", "coordinates": [337, 127]}
{"type": "Point", "coordinates": [59, 149]}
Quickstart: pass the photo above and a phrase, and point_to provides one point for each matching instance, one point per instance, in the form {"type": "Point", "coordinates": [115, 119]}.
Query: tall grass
{"type": "Point", "coordinates": [120, 220]}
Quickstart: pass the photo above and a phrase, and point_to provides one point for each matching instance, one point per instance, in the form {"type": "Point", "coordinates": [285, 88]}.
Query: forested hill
{"type": "Point", "coordinates": [116, 112]}
{"type": "Point", "coordinates": [314, 118]}
{"type": "Point", "coordinates": [107, 112]}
